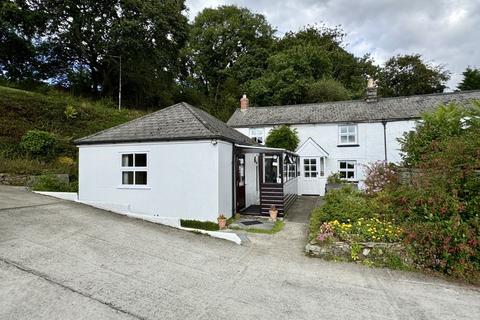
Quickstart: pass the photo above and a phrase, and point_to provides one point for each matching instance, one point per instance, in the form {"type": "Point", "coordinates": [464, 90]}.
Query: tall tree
{"type": "Point", "coordinates": [471, 80]}
{"type": "Point", "coordinates": [228, 45]}
{"type": "Point", "coordinates": [310, 65]}
{"type": "Point", "coordinates": [409, 75]}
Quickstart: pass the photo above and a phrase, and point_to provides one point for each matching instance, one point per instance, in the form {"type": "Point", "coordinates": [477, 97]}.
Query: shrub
{"type": "Point", "coordinates": [51, 182]}
{"type": "Point", "coordinates": [38, 143]}
{"type": "Point", "coordinates": [70, 112]}
{"type": "Point", "coordinates": [203, 225]}
{"type": "Point", "coordinates": [379, 176]}
{"type": "Point", "coordinates": [344, 205]}
{"type": "Point", "coordinates": [334, 178]}
{"type": "Point", "coordinates": [283, 137]}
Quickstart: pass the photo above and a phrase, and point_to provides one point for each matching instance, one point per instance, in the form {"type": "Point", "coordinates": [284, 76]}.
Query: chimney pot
{"type": "Point", "coordinates": [244, 103]}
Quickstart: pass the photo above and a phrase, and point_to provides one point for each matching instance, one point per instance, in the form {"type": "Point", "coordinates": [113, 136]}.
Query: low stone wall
{"type": "Point", "coordinates": [362, 250]}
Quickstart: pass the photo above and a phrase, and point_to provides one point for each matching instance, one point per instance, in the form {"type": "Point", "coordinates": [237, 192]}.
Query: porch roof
{"type": "Point", "coordinates": [262, 149]}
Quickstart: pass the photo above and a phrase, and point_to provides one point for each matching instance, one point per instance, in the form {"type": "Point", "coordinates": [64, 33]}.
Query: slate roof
{"type": "Point", "coordinates": [389, 109]}
{"type": "Point", "coordinates": [178, 122]}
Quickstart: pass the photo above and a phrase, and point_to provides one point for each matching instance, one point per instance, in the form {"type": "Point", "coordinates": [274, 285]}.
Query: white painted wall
{"type": "Point", "coordinates": [370, 140]}
{"type": "Point", "coordinates": [190, 180]}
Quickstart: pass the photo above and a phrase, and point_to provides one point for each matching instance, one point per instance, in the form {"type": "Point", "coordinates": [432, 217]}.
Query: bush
{"type": "Point", "coordinates": [283, 137]}
{"type": "Point", "coordinates": [38, 143]}
{"type": "Point", "coordinates": [203, 225]}
{"type": "Point", "coordinates": [53, 183]}
{"type": "Point", "coordinates": [379, 176]}
{"type": "Point", "coordinates": [344, 205]}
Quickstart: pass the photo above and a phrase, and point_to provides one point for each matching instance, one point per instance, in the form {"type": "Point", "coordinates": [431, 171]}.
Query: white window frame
{"type": "Point", "coordinates": [347, 170]}
{"type": "Point", "coordinates": [310, 171]}
{"type": "Point", "coordinates": [134, 169]}
{"type": "Point", "coordinates": [256, 134]}
{"type": "Point", "coordinates": [347, 134]}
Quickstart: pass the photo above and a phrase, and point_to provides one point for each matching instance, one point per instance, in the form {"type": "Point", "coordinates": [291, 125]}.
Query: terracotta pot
{"type": "Point", "coordinates": [222, 223]}
{"type": "Point", "coordinates": [273, 214]}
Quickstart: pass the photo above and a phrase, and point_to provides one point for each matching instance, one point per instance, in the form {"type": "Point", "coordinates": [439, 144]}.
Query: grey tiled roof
{"type": "Point", "coordinates": [178, 122]}
{"type": "Point", "coordinates": [348, 111]}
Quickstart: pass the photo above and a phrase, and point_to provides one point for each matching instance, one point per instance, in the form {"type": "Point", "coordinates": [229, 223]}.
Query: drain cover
{"type": "Point", "coordinates": [251, 223]}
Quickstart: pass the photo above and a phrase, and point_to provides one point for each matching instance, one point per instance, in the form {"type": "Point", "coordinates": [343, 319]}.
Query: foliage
{"type": "Point", "coordinates": [409, 75]}
{"type": "Point", "coordinates": [334, 178]}
{"type": "Point", "coordinates": [471, 80]}
{"type": "Point", "coordinates": [310, 65]}
{"type": "Point", "coordinates": [362, 230]}
{"type": "Point", "coordinates": [277, 226]}
{"type": "Point", "coordinates": [70, 112]}
{"type": "Point", "coordinates": [344, 205]}
{"type": "Point", "coordinates": [38, 143]}
{"type": "Point", "coordinates": [51, 182]}
{"type": "Point", "coordinates": [203, 225]}
{"type": "Point", "coordinates": [283, 137]}
{"type": "Point", "coordinates": [379, 176]}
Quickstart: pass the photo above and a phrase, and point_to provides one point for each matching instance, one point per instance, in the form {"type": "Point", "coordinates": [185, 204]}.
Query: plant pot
{"type": "Point", "coordinates": [273, 214]}
{"type": "Point", "coordinates": [222, 223]}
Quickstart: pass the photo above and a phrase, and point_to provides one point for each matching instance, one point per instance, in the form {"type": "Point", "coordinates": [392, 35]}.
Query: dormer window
{"type": "Point", "coordinates": [347, 135]}
{"type": "Point", "coordinates": [258, 135]}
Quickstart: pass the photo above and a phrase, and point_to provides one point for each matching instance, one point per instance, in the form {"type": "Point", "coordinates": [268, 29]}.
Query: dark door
{"type": "Point", "coordinates": [240, 182]}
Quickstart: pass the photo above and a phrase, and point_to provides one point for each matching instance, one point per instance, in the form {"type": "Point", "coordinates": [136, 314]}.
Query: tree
{"type": "Point", "coordinates": [471, 80]}
{"type": "Point", "coordinates": [308, 66]}
{"type": "Point", "coordinates": [408, 75]}
{"type": "Point", "coordinates": [283, 137]}
{"type": "Point", "coordinates": [228, 46]}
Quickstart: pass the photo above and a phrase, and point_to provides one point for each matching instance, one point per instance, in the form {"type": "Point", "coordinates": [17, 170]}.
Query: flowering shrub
{"type": "Point", "coordinates": [380, 175]}
{"type": "Point", "coordinates": [360, 231]}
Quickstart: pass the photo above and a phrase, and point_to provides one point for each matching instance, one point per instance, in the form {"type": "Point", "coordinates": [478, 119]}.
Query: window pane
{"type": "Point", "coordinates": [305, 161]}
{"type": "Point", "coordinates": [313, 161]}
{"type": "Point", "coordinates": [313, 168]}
{"type": "Point", "coordinates": [307, 174]}
{"type": "Point", "coordinates": [127, 160]}
{"type": "Point", "coordinates": [342, 174]}
{"type": "Point", "coordinates": [343, 129]}
{"type": "Point", "coordinates": [343, 165]}
{"type": "Point", "coordinates": [140, 160]}
{"type": "Point", "coordinates": [350, 165]}
{"type": "Point", "coordinates": [314, 174]}
{"type": "Point", "coordinates": [127, 177]}
{"type": "Point", "coordinates": [351, 129]}
{"type": "Point", "coordinates": [141, 177]}
{"type": "Point", "coordinates": [343, 139]}
{"type": "Point", "coordinates": [271, 169]}
{"type": "Point", "coordinates": [350, 175]}
{"type": "Point", "coordinates": [351, 139]}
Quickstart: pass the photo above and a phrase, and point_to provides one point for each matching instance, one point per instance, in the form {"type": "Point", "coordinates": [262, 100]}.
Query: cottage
{"type": "Point", "coordinates": [181, 162]}
{"type": "Point", "coordinates": [342, 137]}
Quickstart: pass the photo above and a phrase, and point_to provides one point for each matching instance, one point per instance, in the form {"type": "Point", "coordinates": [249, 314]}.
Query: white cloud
{"type": "Point", "coordinates": [444, 31]}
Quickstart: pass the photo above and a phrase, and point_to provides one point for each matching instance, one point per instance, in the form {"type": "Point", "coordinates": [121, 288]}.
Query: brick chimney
{"type": "Point", "coordinates": [244, 103]}
{"type": "Point", "coordinates": [371, 91]}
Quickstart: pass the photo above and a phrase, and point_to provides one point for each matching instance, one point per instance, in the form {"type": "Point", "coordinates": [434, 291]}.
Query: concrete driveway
{"type": "Point", "coordinates": [61, 260]}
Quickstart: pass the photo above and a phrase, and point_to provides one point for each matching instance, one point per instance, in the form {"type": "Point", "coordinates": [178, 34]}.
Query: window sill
{"type": "Point", "coordinates": [134, 187]}
{"type": "Point", "coordinates": [347, 145]}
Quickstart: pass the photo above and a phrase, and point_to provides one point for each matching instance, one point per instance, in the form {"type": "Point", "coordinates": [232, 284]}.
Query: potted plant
{"type": "Point", "coordinates": [273, 213]}
{"type": "Point", "coordinates": [222, 222]}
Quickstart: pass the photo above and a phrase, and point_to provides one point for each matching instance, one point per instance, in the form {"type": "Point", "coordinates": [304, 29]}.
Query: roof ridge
{"type": "Point", "coordinates": [363, 100]}
{"type": "Point", "coordinates": [193, 111]}
{"type": "Point", "coordinates": [124, 124]}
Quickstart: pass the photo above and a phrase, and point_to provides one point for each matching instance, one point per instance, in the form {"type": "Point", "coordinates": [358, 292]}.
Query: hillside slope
{"type": "Point", "coordinates": [63, 115]}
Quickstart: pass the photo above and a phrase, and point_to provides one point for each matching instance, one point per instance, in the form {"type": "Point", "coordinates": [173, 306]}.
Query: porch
{"type": "Point", "coordinates": [265, 177]}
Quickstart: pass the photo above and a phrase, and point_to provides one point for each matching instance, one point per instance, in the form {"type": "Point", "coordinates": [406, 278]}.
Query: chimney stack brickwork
{"type": "Point", "coordinates": [371, 95]}
{"type": "Point", "coordinates": [244, 103]}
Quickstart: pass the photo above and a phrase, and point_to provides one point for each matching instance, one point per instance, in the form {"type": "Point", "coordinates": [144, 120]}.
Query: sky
{"type": "Point", "coordinates": [444, 32]}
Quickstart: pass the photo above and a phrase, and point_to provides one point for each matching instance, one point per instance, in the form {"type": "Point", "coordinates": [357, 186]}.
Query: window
{"type": "Point", "coordinates": [347, 134]}
{"type": "Point", "coordinates": [271, 172]}
{"type": "Point", "coordinates": [257, 134]}
{"type": "Point", "coordinates": [347, 170]}
{"type": "Point", "coordinates": [310, 168]}
{"type": "Point", "coordinates": [134, 169]}
{"type": "Point", "coordinates": [289, 167]}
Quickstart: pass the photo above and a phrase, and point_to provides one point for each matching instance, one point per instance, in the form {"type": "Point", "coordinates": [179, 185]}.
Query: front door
{"type": "Point", "coordinates": [240, 182]}
{"type": "Point", "coordinates": [311, 181]}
